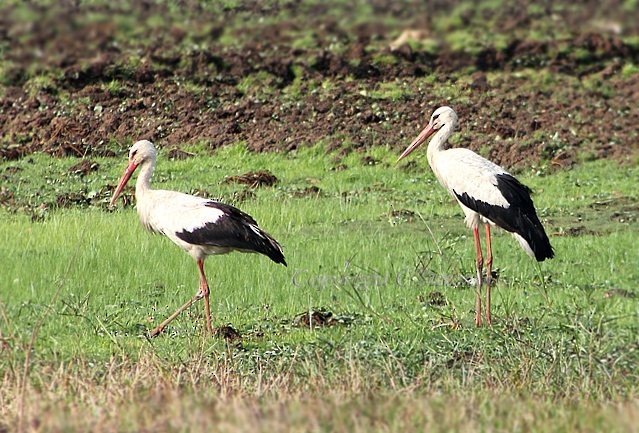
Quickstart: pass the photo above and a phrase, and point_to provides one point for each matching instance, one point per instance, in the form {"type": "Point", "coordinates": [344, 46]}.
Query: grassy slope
{"type": "Point", "coordinates": [99, 281]}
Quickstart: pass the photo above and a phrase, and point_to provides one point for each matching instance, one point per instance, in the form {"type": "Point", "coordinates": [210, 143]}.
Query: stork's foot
{"type": "Point", "coordinates": [157, 331]}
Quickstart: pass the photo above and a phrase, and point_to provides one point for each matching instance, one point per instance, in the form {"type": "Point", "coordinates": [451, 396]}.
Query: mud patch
{"type": "Point", "coordinates": [228, 333]}
{"type": "Point", "coordinates": [319, 318]}
{"type": "Point", "coordinates": [309, 191]}
{"type": "Point", "coordinates": [253, 179]}
{"type": "Point", "coordinates": [84, 167]}
{"type": "Point", "coordinates": [83, 87]}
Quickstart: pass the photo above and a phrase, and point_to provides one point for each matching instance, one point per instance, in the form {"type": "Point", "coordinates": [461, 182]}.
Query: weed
{"type": "Point", "coordinates": [395, 91]}
{"type": "Point", "coordinates": [629, 70]}
{"type": "Point", "coordinates": [257, 85]}
{"type": "Point", "coordinates": [115, 87]}
{"type": "Point", "coordinates": [41, 83]}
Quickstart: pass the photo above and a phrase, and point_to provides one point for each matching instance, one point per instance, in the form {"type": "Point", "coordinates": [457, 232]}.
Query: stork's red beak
{"type": "Point", "coordinates": [427, 132]}
{"type": "Point", "coordinates": [123, 181]}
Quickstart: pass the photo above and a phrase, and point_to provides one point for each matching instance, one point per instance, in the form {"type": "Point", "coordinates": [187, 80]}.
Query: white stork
{"type": "Point", "coordinates": [200, 226]}
{"type": "Point", "coordinates": [487, 194]}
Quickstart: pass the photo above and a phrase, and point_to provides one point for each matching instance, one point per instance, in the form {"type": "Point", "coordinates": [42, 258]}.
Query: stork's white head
{"type": "Point", "coordinates": [142, 152]}
{"type": "Point", "coordinates": [443, 116]}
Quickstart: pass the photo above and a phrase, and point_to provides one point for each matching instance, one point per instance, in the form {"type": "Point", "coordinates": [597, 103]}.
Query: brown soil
{"type": "Point", "coordinates": [84, 167]}
{"type": "Point", "coordinates": [309, 191]}
{"type": "Point", "coordinates": [316, 319]}
{"type": "Point", "coordinates": [437, 299]}
{"type": "Point", "coordinates": [228, 333]}
{"type": "Point", "coordinates": [97, 92]}
{"type": "Point", "coordinates": [254, 179]}
{"type": "Point", "coordinates": [313, 319]}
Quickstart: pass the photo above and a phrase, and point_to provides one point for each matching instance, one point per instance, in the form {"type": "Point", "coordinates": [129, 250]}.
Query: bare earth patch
{"type": "Point", "coordinates": [71, 86]}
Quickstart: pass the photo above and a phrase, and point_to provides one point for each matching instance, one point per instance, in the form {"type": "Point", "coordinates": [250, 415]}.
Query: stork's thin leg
{"type": "Point", "coordinates": [168, 320]}
{"type": "Point", "coordinates": [204, 288]}
{"type": "Point", "coordinates": [479, 264]}
{"type": "Point", "coordinates": [489, 273]}
{"type": "Point", "coordinates": [203, 292]}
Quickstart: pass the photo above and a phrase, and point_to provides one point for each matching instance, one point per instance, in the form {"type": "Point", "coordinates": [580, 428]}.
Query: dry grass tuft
{"type": "Point", "coordinates": [149, 394]}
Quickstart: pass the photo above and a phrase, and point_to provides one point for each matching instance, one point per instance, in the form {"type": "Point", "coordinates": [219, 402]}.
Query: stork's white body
{"type": "Point", "coordinates": [461, 171]}
{"type": "Point", "coordinates": [171, 212]}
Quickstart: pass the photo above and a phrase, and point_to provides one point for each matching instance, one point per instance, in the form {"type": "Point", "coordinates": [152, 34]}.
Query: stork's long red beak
{"type": "Point", "coordinates": [128, 172]}
{"type": "Point", "coordinates": [427, 132]}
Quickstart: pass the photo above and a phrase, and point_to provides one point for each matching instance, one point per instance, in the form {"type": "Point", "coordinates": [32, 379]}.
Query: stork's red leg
{"type": "Point", "coordinates": [479, 262]}
{"type": "Point", "coordinates": [204, 288]}
{"type": "Point", "coordinates": [168, 320]}
{"type": "Point", "coordinates": [203, 292]}
{"type": "Point", "coordinates": [489, 273]}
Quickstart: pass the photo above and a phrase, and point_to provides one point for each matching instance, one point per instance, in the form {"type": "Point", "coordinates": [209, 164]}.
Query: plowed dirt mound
{"type": "Point", "coordinates": [88, 81]}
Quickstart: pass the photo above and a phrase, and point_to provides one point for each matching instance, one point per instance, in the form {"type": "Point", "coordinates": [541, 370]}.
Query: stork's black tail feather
{"type": "Point", "coordinates": [269, 247]}
{"type": "Point", "coordinates": [535, 236]}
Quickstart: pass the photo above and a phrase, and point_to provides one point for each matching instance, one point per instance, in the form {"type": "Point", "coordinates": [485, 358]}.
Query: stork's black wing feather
{"type": "Point", "coordinates": [520, 217]}
{"type": "Point", "coordinates": [236, 230]}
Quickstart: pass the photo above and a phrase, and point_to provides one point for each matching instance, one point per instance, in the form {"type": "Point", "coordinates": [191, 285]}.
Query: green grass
{"type": "Point", "coordinates": [381, 247]}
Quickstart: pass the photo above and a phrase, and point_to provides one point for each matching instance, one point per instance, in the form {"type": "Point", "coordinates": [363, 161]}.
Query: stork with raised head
{"type": "Point", "coordinates": [487, 194]}
{"type": "Point", "coordinates": [200, 226]}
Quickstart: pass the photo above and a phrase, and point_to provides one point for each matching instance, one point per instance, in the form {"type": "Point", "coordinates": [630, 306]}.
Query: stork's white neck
{"type": "Point", "coordinates": [438, 142]}
{"type": "Point", "coordinates": [143, 182]}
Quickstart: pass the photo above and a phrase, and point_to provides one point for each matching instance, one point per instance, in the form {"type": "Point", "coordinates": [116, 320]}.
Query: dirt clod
{"type": "Point", "coordinates": [309, 191]}
{"type": "Point", "coordinates": [254, 179]}
{"type": "Point", "coordinates": [437, 299]}
{"type": "Point", "coordinates": [313, 319]}
{"type": "Point", "coordinates": [84, 167]}
{"type": "Point", "coordinates": [228, 333]}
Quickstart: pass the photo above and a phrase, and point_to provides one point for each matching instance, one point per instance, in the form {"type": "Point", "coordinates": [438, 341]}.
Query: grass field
{"type": "Point", "coordinates": [381, 248]}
